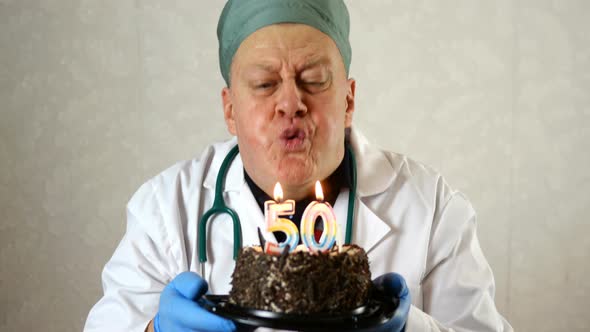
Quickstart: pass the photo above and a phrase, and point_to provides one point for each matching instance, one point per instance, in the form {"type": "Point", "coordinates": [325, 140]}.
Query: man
{"type": "Point", "coordinates": [289, 101]}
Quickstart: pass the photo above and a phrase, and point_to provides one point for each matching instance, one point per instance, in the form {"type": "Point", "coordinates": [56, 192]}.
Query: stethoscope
{"type": "Point", "coordinates": [219, 207]}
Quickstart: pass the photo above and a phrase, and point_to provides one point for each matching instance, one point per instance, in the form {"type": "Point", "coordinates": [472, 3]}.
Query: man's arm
{"type": "Point", "coordinates": [138, 271]}
{"type": "Point", "coordinates": [458, 288]}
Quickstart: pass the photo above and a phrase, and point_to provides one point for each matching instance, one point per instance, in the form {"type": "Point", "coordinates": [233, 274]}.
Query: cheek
{"type": "Point", "coordinates": [253, 125]}
{"type": "Point", "coordinates": [330, 122]}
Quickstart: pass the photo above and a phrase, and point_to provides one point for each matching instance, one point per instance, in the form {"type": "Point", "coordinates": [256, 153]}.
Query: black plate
{"type": "Point", "coordinates": [377, 311]}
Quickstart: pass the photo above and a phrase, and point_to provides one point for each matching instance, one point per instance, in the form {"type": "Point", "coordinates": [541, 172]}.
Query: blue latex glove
{"type": "Point", "coordinates": [179, 311]}
{"type": "Point", "coordinates": [394, 285]}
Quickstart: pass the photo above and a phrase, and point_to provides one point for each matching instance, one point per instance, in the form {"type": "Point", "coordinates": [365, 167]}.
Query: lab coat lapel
{"type": "Point", "coordinates": [367, 230]}
{"type": "Point", "coordinates": [374, 175]}
{"type": "Point", "coordinates": [252, 218]}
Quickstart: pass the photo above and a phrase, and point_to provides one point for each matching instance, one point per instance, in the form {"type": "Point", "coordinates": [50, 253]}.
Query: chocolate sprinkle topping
{"type": "Point", "coordinates": [301, 282]}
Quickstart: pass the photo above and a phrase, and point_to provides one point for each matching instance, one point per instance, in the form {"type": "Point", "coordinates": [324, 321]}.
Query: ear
{"type": "Point", "coordinates": [228, 110]}
{"type": "Point", "coordinates": [349, 103]}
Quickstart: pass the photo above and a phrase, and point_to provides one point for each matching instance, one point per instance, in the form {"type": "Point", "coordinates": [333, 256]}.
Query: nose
{"type": "Point", "coordinates": [290, 102]}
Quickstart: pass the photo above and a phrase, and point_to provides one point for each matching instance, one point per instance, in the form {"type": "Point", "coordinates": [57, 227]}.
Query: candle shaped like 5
{"type": "Point", "coordinates": [312, 212]}
{"type": "Point", "coordinates": [272, 212]}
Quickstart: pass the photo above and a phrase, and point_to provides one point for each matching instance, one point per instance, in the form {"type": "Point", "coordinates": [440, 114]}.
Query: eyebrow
{"type": "Point", "coordinates": [265, 66]}
{"type": "Point", "coordinates": [325, 61]}
{"type": "Point", "coordinates": [315, 62]}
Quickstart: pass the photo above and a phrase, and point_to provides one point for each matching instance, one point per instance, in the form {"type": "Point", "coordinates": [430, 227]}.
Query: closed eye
{"type": "Point", "coordinates": [314, 83]}
{"type": "Point", "coordinates": [315, 86]}
{"type": "Point", "coordinates": [265, 85]}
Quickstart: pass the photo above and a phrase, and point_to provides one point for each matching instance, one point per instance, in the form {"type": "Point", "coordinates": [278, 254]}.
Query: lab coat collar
{"type": "Point", "coordinates": [368, 228]}
{"type": "Point", "coordinates": [375, 172]}
{"type": "Point", "coordinates": [235, 174]}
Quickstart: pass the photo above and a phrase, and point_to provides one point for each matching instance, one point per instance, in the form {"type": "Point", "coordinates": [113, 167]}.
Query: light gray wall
{"type": "Point", "coordinates": [98, 96]}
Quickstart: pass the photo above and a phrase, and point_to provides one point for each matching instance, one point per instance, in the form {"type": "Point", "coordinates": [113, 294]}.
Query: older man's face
{"type": "Point", "coordinates": [288, 104]}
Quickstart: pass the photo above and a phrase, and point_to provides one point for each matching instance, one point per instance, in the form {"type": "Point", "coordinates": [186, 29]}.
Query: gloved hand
{"type": "Point", "coordinates": [180, 312]}
{"type": "Point", "coordinates": [394, 285]}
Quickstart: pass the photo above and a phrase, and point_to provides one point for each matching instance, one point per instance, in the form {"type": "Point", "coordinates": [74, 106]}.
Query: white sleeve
{"type": "Point", "coordinates": [458, 287]}
{"type": "Point", "coordinates": [140, 268]}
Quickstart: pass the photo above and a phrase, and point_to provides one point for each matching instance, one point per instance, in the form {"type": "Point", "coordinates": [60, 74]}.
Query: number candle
{"type": "Point", "coordinates": [272, 212]}
{"type": "Point", "coordinates": [314, 210]}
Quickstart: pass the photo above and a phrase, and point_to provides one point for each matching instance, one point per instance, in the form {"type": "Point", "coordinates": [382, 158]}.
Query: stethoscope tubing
{"type": "Point", "coordinates": [219, 207]}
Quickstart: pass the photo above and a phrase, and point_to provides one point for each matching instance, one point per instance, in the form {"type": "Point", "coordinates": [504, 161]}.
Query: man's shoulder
{"type": "Point", "coordinates": [382, 170]}
{"type": "Point", "coordinates": [181, 177]}
{"type": "Point", "coordinates": [418, 178]}
{"type": "Point", "coordinates": [412, 168]}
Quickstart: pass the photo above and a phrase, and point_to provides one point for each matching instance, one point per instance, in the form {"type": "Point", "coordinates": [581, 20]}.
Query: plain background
{"type": "Point", "coordinates": [99, 96]}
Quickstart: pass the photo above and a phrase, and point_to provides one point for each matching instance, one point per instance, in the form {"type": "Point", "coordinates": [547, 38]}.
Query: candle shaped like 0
{"type": "Point", "coordinates": [272, 212]}
{"type": "Point", "coordinates": [314, 210]}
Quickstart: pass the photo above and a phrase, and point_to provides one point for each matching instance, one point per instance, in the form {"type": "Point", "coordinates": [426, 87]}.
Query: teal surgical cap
{"type": "Point", "coordinates": [241, 18]}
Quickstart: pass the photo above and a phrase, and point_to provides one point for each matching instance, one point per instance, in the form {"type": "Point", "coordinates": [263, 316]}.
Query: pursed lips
{"type": "Point", "coordinates": [293, 139]}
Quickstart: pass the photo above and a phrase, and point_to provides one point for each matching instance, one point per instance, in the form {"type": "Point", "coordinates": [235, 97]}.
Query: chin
{"type": "Point", "coordinates": [296, 172]}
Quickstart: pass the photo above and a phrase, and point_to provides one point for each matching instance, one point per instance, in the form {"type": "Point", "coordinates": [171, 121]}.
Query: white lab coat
{"type": "Point", "coordinates": [408, 220]}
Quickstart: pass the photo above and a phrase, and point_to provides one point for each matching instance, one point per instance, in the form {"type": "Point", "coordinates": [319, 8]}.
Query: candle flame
{"type": "Point", "coordinates": [319, 194]}
{"type": "Point", "coordinates": [278, 193]}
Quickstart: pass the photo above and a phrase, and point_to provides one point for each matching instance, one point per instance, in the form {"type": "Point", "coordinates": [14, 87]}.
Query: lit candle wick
{"type": "Point", "coordinates": [278, 193]}
{"type": "Point", "coordinates": [319, 194]}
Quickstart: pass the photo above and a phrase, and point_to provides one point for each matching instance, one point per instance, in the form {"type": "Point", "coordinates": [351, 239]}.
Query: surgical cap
{"type": "Point", "coordinates": [241, 18]}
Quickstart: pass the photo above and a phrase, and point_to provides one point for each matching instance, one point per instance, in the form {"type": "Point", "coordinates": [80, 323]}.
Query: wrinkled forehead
{"type": "Point", "coordinates": [295, 45]}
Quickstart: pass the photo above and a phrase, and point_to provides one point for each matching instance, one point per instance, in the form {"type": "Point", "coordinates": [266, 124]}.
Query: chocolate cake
{"type": "Point", "coordinates": [301, 282]}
